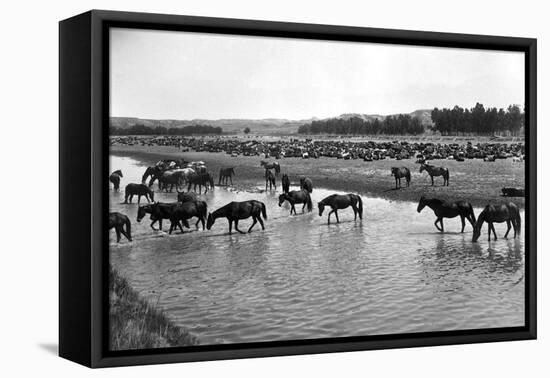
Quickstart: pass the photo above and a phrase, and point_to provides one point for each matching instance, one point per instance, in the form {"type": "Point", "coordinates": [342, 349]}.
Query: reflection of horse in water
{"type": "Point", "coordinates": [225, 175]}
{"type": "Point", "coordinates": [118, 221]}
{"type": "Point", "coordinates": [235, 211]}
{"type": "Point", "coordinates": [275, 166]}
{"type": "Point", "coordinates": [181, 212]}
{"type": "Point", "coordinates": [270, 178]}
{"type": "Point", "coordinates": [306, 183]}
{"type": "Point", "coordinates": [444, 209]}
{"type": "Point", "coordinates": [115, 179]}
{"type": "Point", "coordinates": [164, 212]}
{"type": "Point", "coordinates": [436, 171]}
{"type": "Point", "coordinates": [400, 172]}
{"type": "Point", "coordinates": [285, 182]}
{"type": "Point", "coordinates": [337, 202]}
{"type": "Point", "coordinates": [294, 197]}
{"type": "Point", "coordinates": [140, 190]}
{"type": "Point", "coordinates": [508, 212]}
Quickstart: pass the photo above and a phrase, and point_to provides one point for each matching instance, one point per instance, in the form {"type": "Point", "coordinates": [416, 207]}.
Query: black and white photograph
{"type": "Point", "coordinates": [267, 189]}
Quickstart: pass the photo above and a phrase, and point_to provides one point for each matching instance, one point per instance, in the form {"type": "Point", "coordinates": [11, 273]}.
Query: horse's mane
{"type": "Point", "coordinates": [328, 198]}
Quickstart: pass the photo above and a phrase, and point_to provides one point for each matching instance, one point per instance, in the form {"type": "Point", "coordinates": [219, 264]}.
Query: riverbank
{"type": "Point", "coordinates": [135, 324]}
{"type": "Point", "coordinates": [473, 180]}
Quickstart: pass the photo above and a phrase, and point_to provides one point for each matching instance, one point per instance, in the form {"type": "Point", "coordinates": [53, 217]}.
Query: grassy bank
{"type": "Point", "coordinates": [473, 180]}
{"type": "Point", "coordinates": [135, 324]}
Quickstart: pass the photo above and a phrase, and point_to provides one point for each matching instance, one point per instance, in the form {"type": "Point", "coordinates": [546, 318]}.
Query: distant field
{"type": "Point", "coordinates": [473, 180]}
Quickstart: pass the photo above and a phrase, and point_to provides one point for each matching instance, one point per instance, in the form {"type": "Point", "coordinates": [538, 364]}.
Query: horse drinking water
{"type": "Point", "coordinates": [235, 211]}
{"type": "Point", "coordinates": [508, 212]}
{"type": "Point", "coordinates": [444, 209]}
{"type": "Point", "coordinates": [115, 179]}
{"type": "Point", "coordinates": [294, 197]}
{"type": "Point", "coordinates": [337, 202]}
{"type": "Point", "coordinates": [436, 171]}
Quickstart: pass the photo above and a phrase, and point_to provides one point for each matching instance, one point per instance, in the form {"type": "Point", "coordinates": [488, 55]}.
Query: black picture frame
{"type": "Point", "coordinates": [83, 158]}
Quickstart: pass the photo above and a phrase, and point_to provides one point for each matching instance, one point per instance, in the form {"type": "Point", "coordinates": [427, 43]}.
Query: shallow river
{"type": "Point", "coordinates": [301, 278]}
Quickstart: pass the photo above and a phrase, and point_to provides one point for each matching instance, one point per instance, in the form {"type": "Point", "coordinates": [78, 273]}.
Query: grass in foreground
{"type": "Point", "coordinates": [135, 324]}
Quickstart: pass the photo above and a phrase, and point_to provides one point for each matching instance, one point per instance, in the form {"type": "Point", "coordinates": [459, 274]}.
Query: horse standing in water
{"type": "Point", "coordinates": [398, 173]}
{"type": "Point", "coordinates": [140, 190]}
{"type": "Point", "coordinates": [226, 174]}
{"type": "Point", "coordinates": [270, 178]}
{"type": "Point", "coordinates": [268, 166]}
{"type": "Point", "coordinates": [436, 171]}
{"type": "Point", "coordinates": [154, 172]}
{"type": "Point", "coordinates": [181, 212]}
{"type": "Point", "coordinates": [444, 209]}
{"type": "Point", "coordinates": [118, 221]}
{"type": "Point", "coordinates": [285, 182]}
{"type": "Point", "coordinates": [306, 184]}
{"type": "Point", "coordinates": [294, 197]}
{"type": "Point", "coordinates": [235, 211]}
{"type": "Point", "coordinates": [164, 212]}
{"type": "Point", "coordinates": [200, 179]}
{"type": "Point", "coordinates": [115, 179]}
{"type": "Point", "coordinates": [508, 212]}
{"type": "Point", "coordinates": [337, 202]}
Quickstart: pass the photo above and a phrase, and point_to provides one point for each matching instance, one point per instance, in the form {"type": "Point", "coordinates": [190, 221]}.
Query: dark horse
{"type": "Point", "coordinates": [118, 221]}
{"type": "Point", "coordinates": [115, 179]}
{"type": "Point", "coordinates": [306, 183]}
{"type": "Point", "coordinates": [181, 212]}
{"type": "Point", "coordinates": [226, 174]}
{"type": "Point", "coordinates": [164, 212]}
{"type": "Point", "coordinates": [445, 209]}
{"type": "Point", "coordinates": [200, 179]}
{"type": "Point", "coordinates": [139, 190]}
{"type": "Point", "coordinates": [398, 173]}
{"type": "Point", "coordinates": [507, 212]}
{"type": "Point", "coordinates": [154, 172]}
{"type": "Point", "coordinates": [270, 166]}
{"type": "Point", "coordinates": [285, 181]}
{"type": "Point", "coordinates": [337, 202]}
{"type": "Point", "coordinates": [294, 197]}
{"type": "Point", "coordinates": [235, 211]}
{"type": "Point", "coordinates": [436, 171]}
{"type": "Point", "coordinates": [187, 197]}
{"type": "Point", "coordinates": [270, 178]}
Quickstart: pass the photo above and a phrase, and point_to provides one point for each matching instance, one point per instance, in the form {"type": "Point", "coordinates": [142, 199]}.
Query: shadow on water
{"type": "Point", "coordinates": [392, 272]}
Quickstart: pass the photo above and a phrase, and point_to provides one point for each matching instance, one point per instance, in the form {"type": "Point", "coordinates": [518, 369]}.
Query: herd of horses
{"type": "Point", "coordinates": [189, 205]}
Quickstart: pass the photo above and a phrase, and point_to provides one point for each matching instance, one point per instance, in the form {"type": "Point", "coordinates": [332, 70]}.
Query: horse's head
{"type": "Point", "coordinates": [477, 231]}
{"type": "Point", "coordinates": [421, 204]}
{"type": "Point", "coordinates": [282, 199]}
{"type": "Point", "coordinates": [263, 163]}
{"type": "Point", "coordinates": [422, 167]}
{"type": "Point", "coordinates": [394, 171]}
{"type": "Point", "coordinates": [321, 207]}
{"type": "Point", "coordinates": [210, 221]}
{"type": "Point", "coordinates": [118, 172]}
{"type": "Point", "coordinates": [142, 210]}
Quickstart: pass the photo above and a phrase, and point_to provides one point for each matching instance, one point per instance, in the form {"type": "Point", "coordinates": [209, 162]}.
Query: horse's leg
{"type": "Point", "coordinates": [303, 207]}
{"type": "Point", "coordinates": [494, 232]}
{"type": "Point", "coordinates": [231, 178]}
{"type": "Point", "coordinates": [237, 226]}
{"type": "Point", "coordinates": [336, 213]}
{"type": "Point", "coordinates": [508, 230]}
{"type": "Point", "coordinates": [329, 214]}
{"type": "Point", "coordinates": [253, 223]}
{"type": "Point", "coordinates": [463, 222]}
{"type": "Point", "coordinates": [355, 211]}
{"type": "Point", "coordinates": [432, 180]}
{"type": "Point", "coordinates": [125, 233]}
{"type": "Point", "coordinates": [261, 222]}
{"type": "Point", "coordinates": [126, 197]}
{"type": "Point", "coordinates": [436, 226]}
{"type": "Point", "coordinates": [230, 224]}
{"type": "Point", "coordinates": [117, 230]}
{"type": "Point", "coordinates": [178, 223]}
{"type": "Point", "coordinates": [441, 222]}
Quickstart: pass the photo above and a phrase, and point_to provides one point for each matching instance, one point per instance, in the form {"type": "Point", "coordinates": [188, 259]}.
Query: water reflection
{"type": "Point", "coordinates": [301, 278]}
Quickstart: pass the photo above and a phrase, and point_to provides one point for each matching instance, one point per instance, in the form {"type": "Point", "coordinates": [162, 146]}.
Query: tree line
{"type": "Point", "coordinates": [392, 125]}
{"type": "Point", "coordinates": [161, 130]}
{"type": "Point", "coordinates": [478, 120]}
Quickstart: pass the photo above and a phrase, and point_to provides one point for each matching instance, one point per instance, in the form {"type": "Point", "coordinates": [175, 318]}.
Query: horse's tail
{"type": "Point", "coordinates": [517, 217]}
{"type": "Point", "coordinates": [309, 204]}
{"type": "Point", "coordinates": [360, 203]}
{"type": "Point", "coordinates": [264, 213]}
{"type": "Point", "coordinates": [128, 228]}
{"type": "Point", "coordinates": [203, 210]}
{"type": "Point", "coordinates": [408, 175]}
{"type": "Point", "coordinates": [447, 175]}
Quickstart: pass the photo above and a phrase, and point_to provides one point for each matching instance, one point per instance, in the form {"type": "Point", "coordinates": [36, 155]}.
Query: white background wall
{"type": "Point", "coordinates": [28, 257]}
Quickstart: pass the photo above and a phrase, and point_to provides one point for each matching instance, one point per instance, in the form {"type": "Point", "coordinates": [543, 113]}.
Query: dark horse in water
{"type": "Point", "coordinates": [225, 175]}
{"type": "Point", "coordinates": [140, 190]}
{"type": "Point", "coordinates": [164, 212]}
{"type": "Point", "coordinates": [337, 202]}
{"type": "Point", "coordinates": [275, 166]}
{"type": "Point", "coordinates": [400, 172]}
{"type": "Point", "coordinates": [154, 172]}
{"type": "Point", "coordinates": [118, 221]}
{"type": "Point", "coordinates": [285, 182]}
{"type": "Point", "coordinates": [235, 211]}
{"type": "Point", "coordinates": [294, 197]}
{"type": "Point", "coordinates": [270, 178]}
{"type": "Point", "coordinates": [115, 179]}
{"type": "Point", "coordinates": [508, 212]}
{"type": "Point", "coordinates": [181, 212]}
{"type": "Point", "coordinates": [445, 209]}
{"type": "Point", "coordinates": [200, 179]}
{"type": "Point", "coordinates": [436, 171]}
{"type": "Point", "coordinates": [306, 184]}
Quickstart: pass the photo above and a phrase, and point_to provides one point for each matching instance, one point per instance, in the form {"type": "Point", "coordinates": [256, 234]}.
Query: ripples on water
{"type": "Point", "coordinates": [301, 278]}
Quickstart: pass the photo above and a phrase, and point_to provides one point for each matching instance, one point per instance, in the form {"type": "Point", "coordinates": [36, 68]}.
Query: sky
{"type": "Point", "coordinates": [182, 75]}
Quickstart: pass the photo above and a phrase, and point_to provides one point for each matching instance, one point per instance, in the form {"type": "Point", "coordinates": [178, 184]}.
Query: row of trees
{"type": "Point", "coordinates": [160, 130]}
{"type": "Point", "coordinates": [479, 120]}
{"type": "Point", "coordinates": [391, 125]}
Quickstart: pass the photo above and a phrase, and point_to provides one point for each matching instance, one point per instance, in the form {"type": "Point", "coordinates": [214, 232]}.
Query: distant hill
{"type": "Point", "coordinates": [257, 126]}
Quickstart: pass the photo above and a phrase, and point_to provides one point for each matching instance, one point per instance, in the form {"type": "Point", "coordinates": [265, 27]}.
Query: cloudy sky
{"type": "Point", "coordinates": [180, 75]}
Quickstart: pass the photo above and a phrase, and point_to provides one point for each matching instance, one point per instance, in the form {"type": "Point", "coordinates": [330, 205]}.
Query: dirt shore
{"type": "Point", "coordinates": [473, 180]}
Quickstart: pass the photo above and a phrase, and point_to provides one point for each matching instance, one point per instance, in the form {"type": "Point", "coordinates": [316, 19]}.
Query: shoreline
{"type": "Point", "coordinates": [372, 179]}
